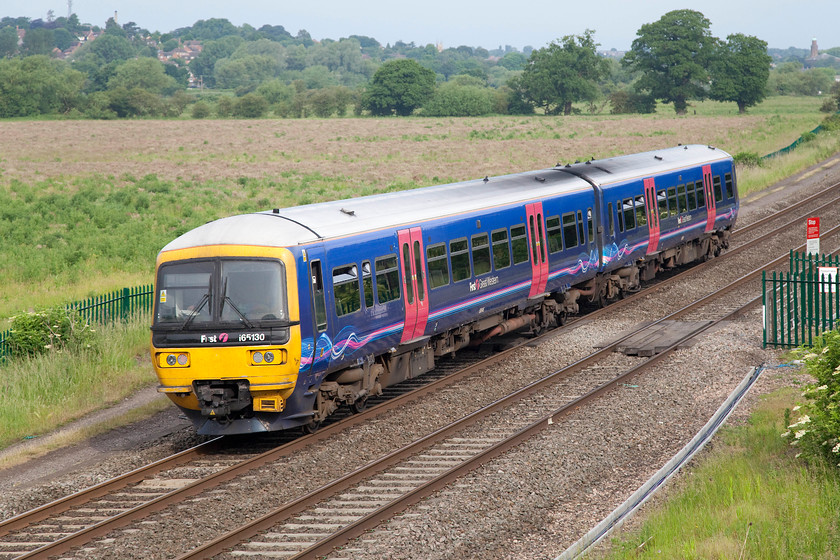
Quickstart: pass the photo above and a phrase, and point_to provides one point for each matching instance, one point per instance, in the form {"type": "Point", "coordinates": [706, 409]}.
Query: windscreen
{"type": "Point", "coordinates": [232, 292]}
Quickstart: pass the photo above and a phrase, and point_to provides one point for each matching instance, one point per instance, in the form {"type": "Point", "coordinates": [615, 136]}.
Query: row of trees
{"type": "Point", "coordinates": [674, 60]}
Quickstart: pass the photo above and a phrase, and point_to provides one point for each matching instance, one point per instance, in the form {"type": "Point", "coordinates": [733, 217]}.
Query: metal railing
{"type": "Point", "coordinates": [803, 303]}
{"type": "Point", "coordinates": [118, 305]}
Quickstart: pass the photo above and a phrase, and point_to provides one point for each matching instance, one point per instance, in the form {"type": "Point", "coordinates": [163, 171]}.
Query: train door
{"type": "Point", "coordinates": [710, 198]}
{"type": "Point", "coordinates": [319, 294]}
{"type": "Point", "coordinates": [652, 214]}
{"type": "Point", "coordinates": [415, 286]}
{"type": "Point", "coordinates": [536, 239]}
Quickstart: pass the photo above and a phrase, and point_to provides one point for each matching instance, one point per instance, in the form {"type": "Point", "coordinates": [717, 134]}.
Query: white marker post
{"type": "Point", "coordinates": [812, 245]}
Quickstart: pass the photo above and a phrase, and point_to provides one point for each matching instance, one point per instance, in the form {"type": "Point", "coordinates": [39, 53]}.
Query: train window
{"type": "Point", "coordinates": [367, 284]}
{"type": "Point", "coordinates": [501, 249]}
{"type": "Point", "coordinates": [554, 233]}
{"type": "Point", "coordinates": [610, 219]}
{"type": "Point", "coordinates": [438, 265]}
{"type": "Point", "coordinates": [629, 214]}
{"type": "Point", "coordinates": [590, 225]}
{"type": "Point", "coordinates": [692, 199]}
{"type": "Point", "coordinates": [519, 243]}
{"type": "Point", "coordinates": [418, 268]}
{"type": "Point", "coordinates": [730, 187]}
{"type": "Point", "coordinates": [701, 194]}
{"type": "Point", "coordinates": [318, 297]}
{"type": "Point", "coordinates": [409, 285]}
{"type": "Point", "coordinates": [570, 230]}
{"type": "Point", "coordinates": [481, 253]}
{"type": "Point", "coordinates": [672, 201]}
{"type": "Point", "coordinates": [641, 219]}
{"type": "Point", "coordinates": [387, 279]}
{"type": "Point", "coordinates": [580, 227]}
{"type": "Point", "coordinates": [346, 289]}
{"type": "Point", "coordinates": [682, 205]}
{"type": "Point", "coordinates": [620, 215]}
{"type": "Point", "coordinates": [662, 203]}
{"type": "Point", "coordinates": [460, 256]}
{"type": "Point", "coordinates": [718, 191]}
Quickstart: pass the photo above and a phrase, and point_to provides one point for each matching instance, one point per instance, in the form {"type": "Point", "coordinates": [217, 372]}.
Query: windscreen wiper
{"type": "Point", "coordinates": [204, 299]}
{"type": "Point", "coordinates": [225, 299]}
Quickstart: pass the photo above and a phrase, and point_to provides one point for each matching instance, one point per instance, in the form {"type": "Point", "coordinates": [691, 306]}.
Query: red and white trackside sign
{"type": "Point", "coordinates": [812, 244]}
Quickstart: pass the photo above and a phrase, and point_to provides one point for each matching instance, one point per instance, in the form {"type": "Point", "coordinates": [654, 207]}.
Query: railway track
{"type": "Point", "coordinates": [79, 518]}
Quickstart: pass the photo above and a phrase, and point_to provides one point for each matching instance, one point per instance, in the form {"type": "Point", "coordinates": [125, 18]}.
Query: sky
{"type": "Point", "coordinates": [489, 24]}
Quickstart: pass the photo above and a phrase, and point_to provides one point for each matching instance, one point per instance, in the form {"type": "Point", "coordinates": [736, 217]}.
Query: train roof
{"type": "Point", "coordinates": [306, 224]}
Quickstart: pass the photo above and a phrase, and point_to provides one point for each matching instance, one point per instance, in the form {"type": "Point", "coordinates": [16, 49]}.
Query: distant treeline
{"type": "Point", "coordinates": [214, 68]}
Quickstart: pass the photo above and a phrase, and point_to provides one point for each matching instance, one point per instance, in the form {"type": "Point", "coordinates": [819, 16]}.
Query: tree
{"type": "Point", "coordinates": [399, 86]}
{"type": "Point", "coordinates": [38, 85]}
{"type": "Point", "coordinates": [564, 72]}
{"type": "Point", "coordinates": [143, 73]}
{"type": "Point", "coordinates": [460, 99]}
{"type": "Point", "coordinates": [673, 55]}
{"type": "Point", "coordinates": [8, 42]}
{"type": "Point", "coordinates": [38, 41]}
{"type": "Point", "coordinates": [740, 71]}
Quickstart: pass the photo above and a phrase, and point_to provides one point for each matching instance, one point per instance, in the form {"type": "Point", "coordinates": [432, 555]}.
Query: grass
{"type": "Point", "coordinates": [41, 393]}
{"type": "Point", "coordinates": [749, 497]}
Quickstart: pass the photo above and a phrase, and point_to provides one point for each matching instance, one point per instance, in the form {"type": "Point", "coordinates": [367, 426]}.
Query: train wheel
{"type": "Point", "coordinates": [359, 406]}
{"type": "Point", "coordinates": [311, 427]}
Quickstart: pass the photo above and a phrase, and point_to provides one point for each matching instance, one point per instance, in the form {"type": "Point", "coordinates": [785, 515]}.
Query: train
{"type": "Point", "coordinates": [276, 319]}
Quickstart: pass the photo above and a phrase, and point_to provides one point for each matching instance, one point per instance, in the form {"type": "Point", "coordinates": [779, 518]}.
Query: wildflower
{"type": "Point", "coordinates": [821, 388]}
{"type": "Point", "coordinates": [802, 421]}
{"type": "Point", "coordinates": [826, 349]}
{"type": "Point", "coordinates": [810, 356]}
{"type": "Point", "coordinates": [798, 455]}
{"type": "Point", "coordinates": [786, 434]}
{"type": "Point", "coordinates": [836, 448]}
{"type": "Point", "coordinates": [800, 433]}
{"type": "Point", "coordinates": [795, 408]}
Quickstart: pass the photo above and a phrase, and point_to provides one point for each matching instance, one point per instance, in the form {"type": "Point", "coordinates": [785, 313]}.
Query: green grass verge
{"type": "Point", "coordinates": [42, 393]}
{"type": "Point", "coordinates": [749, 497]}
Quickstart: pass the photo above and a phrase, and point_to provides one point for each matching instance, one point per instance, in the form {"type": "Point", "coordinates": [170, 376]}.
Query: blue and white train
{"type": "Point", "coordinates": [273, 320]}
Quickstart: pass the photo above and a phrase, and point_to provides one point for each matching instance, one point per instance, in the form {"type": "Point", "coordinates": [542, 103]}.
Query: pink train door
{"type": "Point", "coordinates": [536, 239]}
{"type": "Point", "coordinates": [653, 215]}
{"type": "Point", "coordinates": [710, 198]}
{"type": "Point", "coordinates": [414, 283]}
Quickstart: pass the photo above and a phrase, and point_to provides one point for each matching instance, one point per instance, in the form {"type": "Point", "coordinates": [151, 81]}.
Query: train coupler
{"type": "Point", "coordinates": [219, 399]}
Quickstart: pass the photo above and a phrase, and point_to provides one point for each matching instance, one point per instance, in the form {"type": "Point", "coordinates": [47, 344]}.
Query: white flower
{"type": "Point", "coordinates": [836, 448]}
{"type": "Point", "coordinates": [810, 356]}
{"type": "Point", "coordinates": [802, 421]}
{"type": "Point", "coordinates": [797, 407]}
{"type": "Point", "coordinates": [786, 434]}
{"type": "Point", "coordinates": [826, 349]}
{"type": "Point", "coordinates": [821, 388]}
{"type": "Point", "coordinates": [800, 433]}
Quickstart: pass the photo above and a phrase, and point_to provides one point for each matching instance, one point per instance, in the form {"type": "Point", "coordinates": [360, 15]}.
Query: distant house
{"type": "Point", "coordinates": [186, 51]}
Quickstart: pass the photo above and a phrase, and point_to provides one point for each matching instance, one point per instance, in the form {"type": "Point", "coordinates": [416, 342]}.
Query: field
{"type": "Point", "coordinates": [85, 205]}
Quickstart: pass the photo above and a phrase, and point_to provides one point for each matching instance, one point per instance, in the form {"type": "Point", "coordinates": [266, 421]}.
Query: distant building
{"type": "Point", "coordinates": [815, 58]}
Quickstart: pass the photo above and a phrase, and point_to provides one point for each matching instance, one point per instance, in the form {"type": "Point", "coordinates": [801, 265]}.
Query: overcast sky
{"type": "Point", "coordinates": [487, 24]}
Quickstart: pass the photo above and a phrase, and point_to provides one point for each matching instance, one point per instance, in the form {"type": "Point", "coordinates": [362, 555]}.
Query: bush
{"type": "Point", "coordinates": [623, 102]}
{"type": "Point", "coordinates": [250, 106]}
{"type": "Point", "coordinates": [51, 329]}
{"type": "Point", "coordinates": [748, 159]}
{"type": "Point", "coordinates": [831, 124]}
{"type": "Point", "coordinates": [201, 110]}
{"type": "Point", "coordinates": [829, 105]}
{"type": "Point", "coordinates": [453, 100]}
{"type": "Point", "coordinates": [817, 430]}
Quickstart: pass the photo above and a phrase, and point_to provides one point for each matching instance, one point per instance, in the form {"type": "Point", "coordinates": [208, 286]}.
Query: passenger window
{"type": "Point", "coordinates": [611, 219]}
{"type": "Point", "coordinates": [730, 187]}
{"type": "Point", "coordinates": [570, 230]}
{"type": "Point", "coordinates": [501, 249]}
{"type": "Point", "coordinates": [481, 253]}
{"type": "Point", "coordinates": [346, 289]}
{"type": "Point", "coordinates": [367, 284]}
{"type": "Point", "coordinates": [701, 194]}
{"type": "Point", "coordinates": [641, 219]}
{"type": "Point", "coordinates": [418, 268]}
{"type": "Point", "coordinates": [387, 279]}
{"type": "Point", "coordinates": [519, 243]}
{"type": "Point", "coordinates": [718, 191]}
{"type": "Point", "coordinates": [692, 199]}
{"type": "Point", "coordinates": [681, 198]}
{"type": "Point", "coordinates": [590, 226]}
{"type": "Point", "coordinates": [629, 220]}
{"type": "Point", "coordinates": [620, 215]}
{"type": "Point", "coordinates": [662, 203]}
{"type": "Point", "coordinates": [460, 256]}
{"type": "Point", "coordinates": [580, 227]}
{"type": "Point", "coordinates": [554, 233]}
{"type": "Point", "coordinates": [672, 201]}
{"type": "Point", "coordinates": [438, 265]}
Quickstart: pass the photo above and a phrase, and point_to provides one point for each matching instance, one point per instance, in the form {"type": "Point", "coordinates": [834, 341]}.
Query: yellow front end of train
{"type": "Point", "coordinates": [226, 340]}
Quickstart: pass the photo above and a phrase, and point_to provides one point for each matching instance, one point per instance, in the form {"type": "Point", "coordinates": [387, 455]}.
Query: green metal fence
{"type": "Point", "coordinates": [118, 305]}
{"type": "Point", "coordinates": [803, 303]}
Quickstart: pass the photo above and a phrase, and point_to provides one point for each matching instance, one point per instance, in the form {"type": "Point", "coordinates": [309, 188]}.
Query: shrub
{"type": "Point", "coordinates": [201, 110]}
{"type": "Point", "coordinates": [250, 106]}
{"type": "Point", "coordinates": [829, 105]}
{"type": "Point", "coordinates": [51, 329]}
{"type": "Point", "coordinates": [816, 431]}
{"type": "Point", "coordinates": [748, 159]}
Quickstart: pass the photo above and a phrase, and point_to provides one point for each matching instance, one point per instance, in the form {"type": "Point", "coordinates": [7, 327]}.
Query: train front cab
{"type": "Point", "coordinates": [226, 337]}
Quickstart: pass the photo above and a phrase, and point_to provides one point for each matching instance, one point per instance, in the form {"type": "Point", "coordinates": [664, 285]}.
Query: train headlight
{"type": "Point", "coordinates": [269, 357]}
{"type": "Point", "coordinates": [258, 357]}
{"type": "Point", "coordinates": [183, 359]}
{"type": "Point", "coordinates": [171, 360]}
